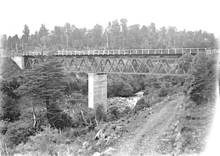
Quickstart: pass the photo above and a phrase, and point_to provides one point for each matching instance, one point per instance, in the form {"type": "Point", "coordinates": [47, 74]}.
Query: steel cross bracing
{"type": "Point", "coordinates": [137, 61]}
{"type": "Point", "coordinates": [124, 65]}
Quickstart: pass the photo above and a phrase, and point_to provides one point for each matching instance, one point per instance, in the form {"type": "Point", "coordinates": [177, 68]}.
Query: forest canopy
{"type": "Point", "coordinates": [117, 35]}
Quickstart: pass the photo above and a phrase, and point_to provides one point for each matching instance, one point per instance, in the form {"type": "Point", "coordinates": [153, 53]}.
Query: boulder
{"type": "Point", "coordinates": [85, 145]}
{"type": "Point", "coordinates": [80, 151]}
{"type": "Point", "coordinates": [109, 151]}
{"type": "Point", "coordinates": [96, 154]}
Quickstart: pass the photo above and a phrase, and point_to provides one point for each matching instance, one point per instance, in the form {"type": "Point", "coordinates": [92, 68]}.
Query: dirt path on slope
{"type": "Point", "coordinates": [143, 141]}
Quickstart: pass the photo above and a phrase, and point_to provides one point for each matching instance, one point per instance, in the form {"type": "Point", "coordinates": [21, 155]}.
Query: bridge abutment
{"type": "Point", "coordinates": [19, 60]}
{"type": "Point", "coordinates": [97, 87]}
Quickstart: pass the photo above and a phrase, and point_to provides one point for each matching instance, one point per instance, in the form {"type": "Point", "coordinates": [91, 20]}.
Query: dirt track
{"type": "Point", "coordinates": [143, 140]}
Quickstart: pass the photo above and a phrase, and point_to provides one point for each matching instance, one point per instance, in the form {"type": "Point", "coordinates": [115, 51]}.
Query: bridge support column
{"type": "Point", "coordinates": [97, 90]}
{"type": "Point", "coordinates": [19, 60]}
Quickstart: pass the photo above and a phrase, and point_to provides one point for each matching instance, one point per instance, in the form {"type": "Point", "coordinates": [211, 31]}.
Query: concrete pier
{"type": "Point", "coordinates": [97, 90]}
{"type": "Point", "coordinates": [19, 60]}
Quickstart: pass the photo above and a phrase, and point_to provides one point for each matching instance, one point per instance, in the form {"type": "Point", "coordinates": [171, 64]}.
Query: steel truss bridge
{"type": "Point", "coordinates": [132, 61]}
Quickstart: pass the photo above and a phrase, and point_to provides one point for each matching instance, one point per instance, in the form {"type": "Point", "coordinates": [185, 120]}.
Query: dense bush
{"type": "Point", "coordinates": [100, 112]}
{"type": "Point", "coordinates": [124, 85]}
{"type": "Point", "coordinates": [18, 132]}
{"type": "Point", "coordinates": [76, 83]}
{"type": "Point", "coordinates": [163, 92]}
{"type": "Point", "coordinates": [148, 100]}
{"type": "Point", "coordinates": [201, 85]}
{"type": "Point", "coordinates": [45, 142]}
{"type": "Point", "coordinates": [77, 98]}
{"type": "Point", "coordinates": [113, 113]}
{"type": "Point", "coordinates": [10, 109]}
{"type": "Point", "coordinates": [9, 104]}
{"type": "Point", "coordinates": [57, 118]}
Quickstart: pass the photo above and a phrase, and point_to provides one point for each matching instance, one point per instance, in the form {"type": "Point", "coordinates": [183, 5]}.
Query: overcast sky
{"type": "Point", "coordinates": [183, 14]}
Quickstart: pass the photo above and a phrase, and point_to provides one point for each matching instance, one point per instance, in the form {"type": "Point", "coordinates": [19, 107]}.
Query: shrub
{"type": "Point", "coordinates": [163, 92]}
{"type": "Point", "coordinates": [124, 87]}
{"type": "Point", "coordinates": [18, 132]}
{"type": "Point", "coordinates": [57, 118]}
{"type": "Point", "coordinates": [148, 101]}
{"type": "Point", "coordinates": [147, 91]}
{"type": "Point", "coordinates": [141, 104]}
{"type": "Point", "coordinates": [10, 110]}
{"type": "Point", "coordinates": [100, 112]}
{"type": "Point", "coordinates": [201, 85]}
{"type": "Point", "coordinates": [113, 113]}
{"type": "Point", "coordinates": [45, 142]}
{"type": "Point", "coordinates": [77, 98]}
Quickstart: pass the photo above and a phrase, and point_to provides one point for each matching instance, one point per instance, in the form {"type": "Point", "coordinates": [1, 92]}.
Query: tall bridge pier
{"type": "Point", "coordinates": [97, 87]}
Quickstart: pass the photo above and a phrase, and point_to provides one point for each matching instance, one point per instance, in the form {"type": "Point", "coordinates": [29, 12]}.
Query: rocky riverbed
{"type": "Point", "coordinates": [122, 102]}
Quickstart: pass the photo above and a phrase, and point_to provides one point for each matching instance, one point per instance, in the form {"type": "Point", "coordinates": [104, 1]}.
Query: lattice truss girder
{"type": "Point", "coordinates": [141, 66]}
{"type": "Point", "coordinates": [34, 61]}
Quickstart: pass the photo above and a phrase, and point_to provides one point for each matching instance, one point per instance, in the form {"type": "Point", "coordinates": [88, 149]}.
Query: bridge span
{"type": "Point", "coordinates": [98, 63]}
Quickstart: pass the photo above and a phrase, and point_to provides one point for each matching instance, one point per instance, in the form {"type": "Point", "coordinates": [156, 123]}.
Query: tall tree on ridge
{"type": "Point", "coordinates": [26, 33]}
{"type": "Point", "coordinates": [124, 30]}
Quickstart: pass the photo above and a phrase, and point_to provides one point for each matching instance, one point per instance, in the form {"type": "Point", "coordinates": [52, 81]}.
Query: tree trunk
{"type": "Point", "coordinates": [34, 116]}
{"type": "Point", "coordinates": [47, 103]}
{"type": "Point", "coordinates": [83, 117]}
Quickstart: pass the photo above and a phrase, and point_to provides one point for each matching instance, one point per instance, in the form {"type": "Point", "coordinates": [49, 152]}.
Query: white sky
{"type": "Point", "coordinates": [184, 14]}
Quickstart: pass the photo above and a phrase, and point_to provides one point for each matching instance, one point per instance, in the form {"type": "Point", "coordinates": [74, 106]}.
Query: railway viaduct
{"type": "Point", "coordinates": [98, 63]}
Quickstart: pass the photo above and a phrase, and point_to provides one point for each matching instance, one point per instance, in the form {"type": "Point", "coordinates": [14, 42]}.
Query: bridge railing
{"type": "Point", "coordinates": [174, 51]}
{"type": "Point", "coordinates": [133, 51]}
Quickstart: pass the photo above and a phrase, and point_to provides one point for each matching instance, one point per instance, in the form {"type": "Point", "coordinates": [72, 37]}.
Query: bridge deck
{"type": "Point", "coordinates": [175, 51]}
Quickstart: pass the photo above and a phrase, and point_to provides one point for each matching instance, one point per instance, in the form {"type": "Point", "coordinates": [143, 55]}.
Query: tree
{"type": "Point", "coordinates": [9, 103]}
{"type": "Point", "coordinates": [15, 41]}
{"type": "Point", "coordinates": [26, 33]}
{"type": "Point", "coordinates": [44, 83]}
{"type": "Point", "coordinates": [43, 31]}
{"type": "Point", "coordinates": [134, 38]}
{"type": "Point", "coordinates": [153, 36]}
{"type": "Point", "coordinates": [171, 37]}
{"type": "Point", "coordinates": [162, 41]}
{"type": "Point", "coordinates": [9, 43]}
{"type": "Point", "coordinates": [43, 37]}
{"type": "Point", "coordinates": [124, 29]}
{"type": "Point", "coordinates": [4, 42]}
{"type": "Point", "coordinates": [97, 36]}
{"type": "Point", "coordinates": [144, 37]}
{"type": "Point", "coordinates": [115, 34]}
